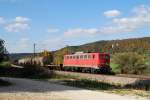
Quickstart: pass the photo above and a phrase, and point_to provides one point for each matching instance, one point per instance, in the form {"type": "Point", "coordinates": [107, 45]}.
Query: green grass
{"type": "Point", "coordinates": [58, 76]}
{"type": "Point", "coordinates": [5, 64]}
{"type": "Point", "coordinates": [114, 67]}
{"type": "Point", "coordinates": [76, 81]}
{"type": "Point", "coordinates": [132, 92]}
{"type": "Point", "coordinates": [147, 62]}
{"type": "Point", "coordinates": [90, 84]}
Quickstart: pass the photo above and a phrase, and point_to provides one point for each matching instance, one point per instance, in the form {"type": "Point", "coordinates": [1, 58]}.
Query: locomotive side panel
{"type": "Point", "coordinates": [93, 60]}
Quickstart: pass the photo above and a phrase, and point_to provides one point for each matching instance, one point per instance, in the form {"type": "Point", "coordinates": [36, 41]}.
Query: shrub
{"type": "Point", "coordinates": [5, 64]}
{"type": "Point", "coordinates": [35, 71]}
{"type": "Point", "coordinates": [130, 63]}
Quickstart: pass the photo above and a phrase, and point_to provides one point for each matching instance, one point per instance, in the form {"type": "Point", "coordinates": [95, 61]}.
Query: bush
{"type": "Point", "coordinates": [35, 71]}
{"type": "Point", "coordinates": [130, 63]}
{"type": "Point", "coordinates": [5, 64]}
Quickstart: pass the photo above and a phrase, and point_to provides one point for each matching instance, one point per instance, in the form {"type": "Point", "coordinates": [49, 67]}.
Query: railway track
{"type": "Point", "coordinates": [134, 76]}
{"type": "Point", "coordinates": [116, 79]}
{"type": "Point", "coordinates": [116, 75]}
{"type": "Point", "coordinates": [122, 79]}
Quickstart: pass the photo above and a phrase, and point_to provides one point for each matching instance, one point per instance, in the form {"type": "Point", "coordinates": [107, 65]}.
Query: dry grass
{"type": "Point", "coordinates": [29, 96]}
{"type": "Point", "coordinates": [131, 92]}
{"type": "Point", "coordinates": [100, 86]}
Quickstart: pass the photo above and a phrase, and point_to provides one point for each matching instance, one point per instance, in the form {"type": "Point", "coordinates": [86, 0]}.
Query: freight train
{"type": "Point", "coordinates": [81, 62]}
{"type": "Point", "coordinates": [41, 61]}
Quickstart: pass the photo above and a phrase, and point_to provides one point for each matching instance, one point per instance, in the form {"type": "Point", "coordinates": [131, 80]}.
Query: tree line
{"type": "Point", "coordinates": [138, 45]}
{"type": "Point", "coordinates": [3, 51]}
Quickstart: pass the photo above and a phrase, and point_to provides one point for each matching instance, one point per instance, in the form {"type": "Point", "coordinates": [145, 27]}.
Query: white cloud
{"type": "Point", "coordinates": [21, 19]}
{"type": "Point", "coordinates": [23, 45]}
{"type": "Point", "coordinates": [17, 25]}
{"type": "Point", "coordinates": [112, 13]}
{"type": "Point", "coordinates": [2, 20]}
{"type": "Point", "coordinates": [139, 18]}
{"type": "Point", "coordinates": [52, 30]}
{"type": "Point", "coordinates": [80, 31]}
{"type": "Point", "coordinates": [51, 43]}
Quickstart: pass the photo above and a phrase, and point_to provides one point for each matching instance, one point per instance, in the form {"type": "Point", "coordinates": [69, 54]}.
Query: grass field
{"type": "Point", "coordinates": [5, 64]}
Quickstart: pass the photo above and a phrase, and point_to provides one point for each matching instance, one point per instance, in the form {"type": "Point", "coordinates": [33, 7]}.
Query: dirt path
{"type": "Point", "coordinates": [27, 89]}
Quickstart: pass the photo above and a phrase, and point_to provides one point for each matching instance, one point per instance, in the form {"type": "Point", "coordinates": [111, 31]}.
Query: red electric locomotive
{"type": "Point", "coordinates": [87, 62]}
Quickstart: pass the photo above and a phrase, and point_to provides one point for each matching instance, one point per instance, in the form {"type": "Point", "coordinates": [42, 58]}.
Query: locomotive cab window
{"type": "Point", "coordinates": [107, 57]}
{"type": "Point", "coordinates": [104, 57]}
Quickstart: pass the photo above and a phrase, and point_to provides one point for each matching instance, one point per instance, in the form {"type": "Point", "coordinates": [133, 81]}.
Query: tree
{"type": "Point", "coordinates": [3, 51]}
{"type": "Point", "coordinates": [130, 63]}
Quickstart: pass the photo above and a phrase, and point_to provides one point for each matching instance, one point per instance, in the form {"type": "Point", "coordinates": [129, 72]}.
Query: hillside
{"type": "Point", "coordinates": [15, 56]}
{"type": "Point", "coordinates": [140, 45]}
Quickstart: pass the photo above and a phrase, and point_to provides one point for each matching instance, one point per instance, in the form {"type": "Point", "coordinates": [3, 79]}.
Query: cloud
{"type": "Point", "coordinates": [18, 24]}
{"type": "Point", "coordinates": [2, 20]}
{"type": "Point", "coordinates": [51, 43]}
{"type": "Point", "coordinates": [22, 45]}
{"type": "Point", "coordinates": [52, 30]}
{"type": "Point", "coordinates": [16, 27]}
{"type": "Point", "coordinates": [139, 18]}
{"type": "Point", "coordinates": [112, 13]}
{"type": "Point", "coordinates": [80, 31]}
{"type": "Point", "coordinates": [21, 19]}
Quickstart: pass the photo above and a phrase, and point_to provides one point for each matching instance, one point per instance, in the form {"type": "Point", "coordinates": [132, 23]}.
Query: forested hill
{"type": "Point", "coordinates": [140, 45]}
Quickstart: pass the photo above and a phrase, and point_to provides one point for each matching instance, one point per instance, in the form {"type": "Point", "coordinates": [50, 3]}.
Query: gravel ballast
{"type": "Point", "coordinates": [27, 89]}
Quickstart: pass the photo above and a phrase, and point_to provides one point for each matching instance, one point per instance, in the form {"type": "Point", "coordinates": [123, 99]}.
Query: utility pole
{"type": "Point", "coordinates": [34, 49]}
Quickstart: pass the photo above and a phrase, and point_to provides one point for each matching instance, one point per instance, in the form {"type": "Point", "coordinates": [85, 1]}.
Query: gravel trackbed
{"type": "Point", "coordinates": [27, 89]}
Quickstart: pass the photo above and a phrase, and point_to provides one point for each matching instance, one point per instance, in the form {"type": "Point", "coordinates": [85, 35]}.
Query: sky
{"type": "Point", "coordinates": [53, 24]}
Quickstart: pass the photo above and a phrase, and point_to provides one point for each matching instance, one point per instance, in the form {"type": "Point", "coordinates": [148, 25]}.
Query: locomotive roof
{"type": "Point", "coordinates": [86, 53]}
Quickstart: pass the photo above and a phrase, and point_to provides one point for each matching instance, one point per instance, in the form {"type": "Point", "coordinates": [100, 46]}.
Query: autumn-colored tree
{"type": "Point", "coordinates": [130, 63]}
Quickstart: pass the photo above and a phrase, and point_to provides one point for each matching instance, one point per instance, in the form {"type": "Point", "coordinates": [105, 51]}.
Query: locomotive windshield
{"type": "Point", "coordinates": [107, 57]}
{"type": "Point", "coordinates": [104, 56]}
